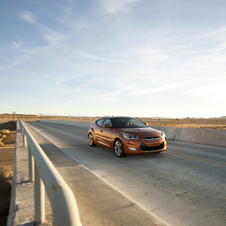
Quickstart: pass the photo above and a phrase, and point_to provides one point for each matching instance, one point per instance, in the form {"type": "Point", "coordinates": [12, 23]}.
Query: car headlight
{"type": "Point", "coordinates": [163, 134]}
{"type": "Point", "coordinates": [130, 136]}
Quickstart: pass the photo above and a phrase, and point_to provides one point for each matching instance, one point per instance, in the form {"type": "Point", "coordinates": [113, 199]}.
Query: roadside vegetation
{"type": "Point", "coordinates": [204, 123]}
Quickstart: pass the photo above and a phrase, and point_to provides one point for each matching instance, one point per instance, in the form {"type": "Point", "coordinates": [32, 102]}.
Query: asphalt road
{"type": "Point", "coordinates": [185, 185]}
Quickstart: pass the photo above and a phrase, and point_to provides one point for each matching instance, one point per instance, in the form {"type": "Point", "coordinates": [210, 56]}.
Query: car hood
{"type": "Point", "coordinates": [142, 132]}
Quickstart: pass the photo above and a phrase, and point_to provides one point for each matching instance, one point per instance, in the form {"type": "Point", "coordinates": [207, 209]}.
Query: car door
{"type": "Point", "coordinates": [98, 129]}
{"type": "Point", "coordinates": [107, 132]}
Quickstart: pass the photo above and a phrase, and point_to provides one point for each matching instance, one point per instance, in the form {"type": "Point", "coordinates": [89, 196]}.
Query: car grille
{"type": "Point", "coordinates": [144, 147]}
{"type": "Point", "coordinates": [152, 138]}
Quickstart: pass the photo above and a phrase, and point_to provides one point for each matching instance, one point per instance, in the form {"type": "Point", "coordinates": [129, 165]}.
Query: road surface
{"type": "Point", "coordinates": [185, 185]}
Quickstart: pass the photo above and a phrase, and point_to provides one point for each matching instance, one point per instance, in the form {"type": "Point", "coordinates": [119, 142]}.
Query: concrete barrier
{"type": "Point", "coordinates": [202, 136]}
{"type": "Point", "coordinates": [192, 135]}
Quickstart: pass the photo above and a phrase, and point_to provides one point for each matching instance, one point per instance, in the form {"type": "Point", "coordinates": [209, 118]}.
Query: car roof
{"type": "Point", "coordinates": [114, 117]}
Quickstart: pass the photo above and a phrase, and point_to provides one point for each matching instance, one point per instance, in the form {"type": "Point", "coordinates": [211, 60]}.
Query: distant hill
{"type": "Point", "coordinates": [222, 117]}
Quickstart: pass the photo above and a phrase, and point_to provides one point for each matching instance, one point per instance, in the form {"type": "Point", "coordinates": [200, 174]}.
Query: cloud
{"type": "Point", "coordinates": [215, 32]}
{"type": "Point", "coordinates": [105, 98]}
{"type": "Point", "coordinates": [141, 90]}
{"type": "Point", "coordinates": [28, 16]}
{"type": "Point", "coordinates": [52, 36]}
{"type": "Point", "coordinates": [53, 42]}
{"type": "Point", "coordinates": [80, 82]}
{"type": "Point", "coordinates": [86, 55]}
{"type": "Point", "coordinates": [100, 56]}
{"type": "Point", "coordinates": [19, 60]}
{"type": "Point", "coordinates": [68, 7]}
{"type": "Point", "coordinates": [209, 93]}
{"type": "Point", "coordinates": [17, 45]}
{"type": "Point", "coordinates": [118, 6]}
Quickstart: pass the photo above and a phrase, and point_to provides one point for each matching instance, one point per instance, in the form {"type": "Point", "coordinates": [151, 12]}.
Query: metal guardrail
{"type": "Point", "coordinates": [46, 177]}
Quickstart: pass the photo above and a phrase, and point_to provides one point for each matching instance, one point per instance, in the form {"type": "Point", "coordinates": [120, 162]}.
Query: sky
{"type": "Point", "coordinates": [141, 58]}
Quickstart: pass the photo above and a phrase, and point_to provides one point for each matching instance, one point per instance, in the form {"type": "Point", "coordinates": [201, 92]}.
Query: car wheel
{"type": "Point", "coordinates": [90, 140]}
{"type": "Point", "coordinates": [118, 148]}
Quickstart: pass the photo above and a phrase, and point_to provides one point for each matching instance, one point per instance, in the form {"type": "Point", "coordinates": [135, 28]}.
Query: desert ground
{"type": "Point", "coordinates": [205, 123]}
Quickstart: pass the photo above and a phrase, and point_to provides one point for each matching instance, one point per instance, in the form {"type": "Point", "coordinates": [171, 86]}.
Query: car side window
{"type": "Point", "coordinates": [100, 122]}
{"type": "Point", "coordinates": [107, 121]}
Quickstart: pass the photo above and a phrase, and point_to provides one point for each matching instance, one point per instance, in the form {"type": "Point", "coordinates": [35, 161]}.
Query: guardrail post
{"type": "Point", "coordinates": [30, 164]}
{"type": "Point", "coordinates": [24, 140]}
{"type": "Point", "coordinates": [39, 199]}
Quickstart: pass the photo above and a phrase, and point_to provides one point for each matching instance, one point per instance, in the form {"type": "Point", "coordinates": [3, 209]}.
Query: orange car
{"type": "Point", "coordinates": [126, 135]}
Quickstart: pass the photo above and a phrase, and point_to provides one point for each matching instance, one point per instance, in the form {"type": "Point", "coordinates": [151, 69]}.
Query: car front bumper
{"type": "Point", "coordinates": [134, 147]}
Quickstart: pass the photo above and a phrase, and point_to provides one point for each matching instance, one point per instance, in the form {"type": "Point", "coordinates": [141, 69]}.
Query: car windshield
{"type": "Point", "coordinates": [127, 123]}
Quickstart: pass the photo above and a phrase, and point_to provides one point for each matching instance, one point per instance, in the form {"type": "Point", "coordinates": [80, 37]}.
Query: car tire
{"type": "Point", "coordinates": [118, 148]}
{"type": "Point", "coordinates": [90, 140]}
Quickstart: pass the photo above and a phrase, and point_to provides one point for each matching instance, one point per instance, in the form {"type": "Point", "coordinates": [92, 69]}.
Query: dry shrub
{"type": "Point", "coordinates": [7, 137]}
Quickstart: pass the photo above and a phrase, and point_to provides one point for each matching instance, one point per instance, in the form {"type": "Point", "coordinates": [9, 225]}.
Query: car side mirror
{"type": "Point", "coordinates": [146, 123]}
{"type": "Point", "coordinates": [107, 125]}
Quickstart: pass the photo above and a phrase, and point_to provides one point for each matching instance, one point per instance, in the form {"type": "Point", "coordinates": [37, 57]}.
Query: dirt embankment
{"type": "Point", "coordinates": [7, 146]}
